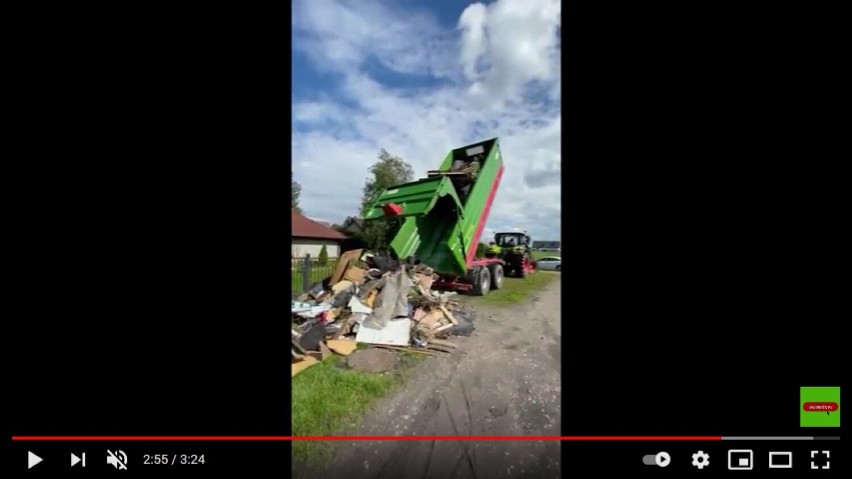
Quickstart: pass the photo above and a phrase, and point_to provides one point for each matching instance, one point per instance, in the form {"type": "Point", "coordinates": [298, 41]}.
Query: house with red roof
{"type": "Point", "coordinates": [309, 237]}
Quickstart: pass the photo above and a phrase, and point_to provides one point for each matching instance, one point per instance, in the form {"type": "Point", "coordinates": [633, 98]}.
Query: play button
{"type": "Point", "coordinates": [32, 460]}
{"type": "Point", "coordinates": [663, 459]}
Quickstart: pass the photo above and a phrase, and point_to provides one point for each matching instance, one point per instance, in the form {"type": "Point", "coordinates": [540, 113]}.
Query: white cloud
{"type": "Point", "coordinates": [499, 72]}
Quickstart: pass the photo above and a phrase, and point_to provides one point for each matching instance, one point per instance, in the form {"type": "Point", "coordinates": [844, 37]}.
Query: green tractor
{"type": "Point", "coordinates": [515, 250]}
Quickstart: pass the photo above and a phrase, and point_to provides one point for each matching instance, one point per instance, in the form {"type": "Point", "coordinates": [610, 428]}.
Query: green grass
{"type": "Point", "coordinates": [329, 399]}
{"type": "Point", "coordinates": [516, 290]}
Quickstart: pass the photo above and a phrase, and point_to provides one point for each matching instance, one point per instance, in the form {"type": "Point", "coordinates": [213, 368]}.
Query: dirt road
{"type": "Point", "coordinates": [503, 380]}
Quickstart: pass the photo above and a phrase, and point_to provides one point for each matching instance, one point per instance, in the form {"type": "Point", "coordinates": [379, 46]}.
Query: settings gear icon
{"type": "Point", "coordinates": [700, 459]}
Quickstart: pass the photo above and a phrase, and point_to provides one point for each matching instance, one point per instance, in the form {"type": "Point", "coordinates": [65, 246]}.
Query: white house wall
{"type": "Point", "coordinates": [304, 246]}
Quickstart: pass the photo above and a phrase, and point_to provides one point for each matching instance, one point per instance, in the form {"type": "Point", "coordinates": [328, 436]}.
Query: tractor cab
{"type": "Point", "coordinates": [514, 248]}
{"type": "Point", "coordinates": [516, 241]}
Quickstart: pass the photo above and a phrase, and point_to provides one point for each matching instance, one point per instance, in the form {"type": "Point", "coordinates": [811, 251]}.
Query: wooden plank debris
{"type": "Point", "coordinates": [342, 347]}
{"type": "Point", "coordinates": [405, 350]}
{"type": "Point", "coordinates": [300, 366]}
{"type": "Point", "coordinates": [441, 342]}
{"type": "Point", "coordinates": [449, 315]}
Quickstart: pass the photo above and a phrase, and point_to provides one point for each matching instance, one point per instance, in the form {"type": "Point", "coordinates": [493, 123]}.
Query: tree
{"type": "Point", "coordinates": [295, 191]}
{"type": "Point", "coordinates": [322, 259]}
{"type": "Point", "coordinates": [389, 170]}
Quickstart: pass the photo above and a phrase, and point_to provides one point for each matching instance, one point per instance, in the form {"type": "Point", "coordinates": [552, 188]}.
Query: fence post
{"type": "Point", "coordinates": [306, 273]}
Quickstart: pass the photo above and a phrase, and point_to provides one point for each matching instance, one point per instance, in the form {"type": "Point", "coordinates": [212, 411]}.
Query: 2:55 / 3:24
{"type": "Point", "coordinates": [168, 459]}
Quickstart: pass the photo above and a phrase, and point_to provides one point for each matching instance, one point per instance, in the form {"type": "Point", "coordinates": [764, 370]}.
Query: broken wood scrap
{"type": "Point", "coordinates": [444, 328]}
{"type": "Point", "coordinates": [449, 315]}
{"type": "Point", "coordinates": [404, 350]}
{"type": "Point", "coordinates": [323, 353]}
{"type": "Point", "coordinates": [300, 366]}
{"type": "Point", "coordinates": [432, 319]}
{"type": "Point", "coordinates": [441, 342]}
{"type": "Point", "coordinates": [435, 347]}
{"type": "Point", "coordinates": [342, 347]}
{"type": "Point", "coordinates": [370, 299]}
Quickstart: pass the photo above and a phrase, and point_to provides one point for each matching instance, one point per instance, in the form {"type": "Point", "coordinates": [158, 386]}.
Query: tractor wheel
{"type": "Point", "coordinates": [496, 270]}
{"type": "Point", "coordinates": [522, 273]}
{"type": "Point", "coordinates": [481, 280]}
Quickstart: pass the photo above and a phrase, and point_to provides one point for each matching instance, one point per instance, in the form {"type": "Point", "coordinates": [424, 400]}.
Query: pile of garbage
{"type": "Point", "coordinates": [375, 301]}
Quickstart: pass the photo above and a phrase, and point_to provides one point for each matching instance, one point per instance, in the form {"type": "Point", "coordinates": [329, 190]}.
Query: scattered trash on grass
{"type": "Point", "coordinates": [377, 301]}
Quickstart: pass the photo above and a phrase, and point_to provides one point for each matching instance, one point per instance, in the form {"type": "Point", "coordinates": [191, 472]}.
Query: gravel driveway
{"type": "Point", "coordinates": [505, 379]}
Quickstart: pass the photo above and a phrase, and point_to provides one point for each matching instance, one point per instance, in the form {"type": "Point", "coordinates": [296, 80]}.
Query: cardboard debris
{"type": "Point", "coordinates": [301, 365]}
{"type": "Point", "coordinates": [432, 318]}
{"type": "Point", "coordinates": [354, 274]}
{"type": "Point", "coordinates": [424, 281]}
{"type": "Point", "coordinates": [341, 286]}
{"type": "Point", "coordinates": [381, 302]}
{"type": "Point", "coordinates": [347, 260]}
{"type": "Point", "coordinates": [342, 347]}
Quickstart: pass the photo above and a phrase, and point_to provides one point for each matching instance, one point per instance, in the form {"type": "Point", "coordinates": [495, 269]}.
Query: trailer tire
{"type": "Point", "coordinates": [496, 270]}
{"type": "Point", "coordinates": [481, 280]}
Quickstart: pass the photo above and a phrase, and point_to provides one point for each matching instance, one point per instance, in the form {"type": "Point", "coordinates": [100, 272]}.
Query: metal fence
{"type": "Point", "coordinates": [307, 271]}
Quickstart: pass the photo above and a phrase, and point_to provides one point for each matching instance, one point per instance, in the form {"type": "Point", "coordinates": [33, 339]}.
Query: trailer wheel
{"type": "Point", "coordinates": [481, 280]}
{"type": "Point", "coordinates": [496, 270]}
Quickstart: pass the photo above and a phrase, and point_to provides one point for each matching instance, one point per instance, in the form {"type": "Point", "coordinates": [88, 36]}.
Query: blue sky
{"type": "Point", "coordinates": [421, 78]}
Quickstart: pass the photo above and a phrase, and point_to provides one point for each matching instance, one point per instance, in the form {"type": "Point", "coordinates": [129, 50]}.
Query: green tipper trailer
{"type": "Point", "coordinates": [441, 217]}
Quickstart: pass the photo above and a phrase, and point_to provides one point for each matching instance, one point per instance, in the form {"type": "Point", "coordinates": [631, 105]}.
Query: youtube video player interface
{"type": "Point", "coordinates": [510, 257]}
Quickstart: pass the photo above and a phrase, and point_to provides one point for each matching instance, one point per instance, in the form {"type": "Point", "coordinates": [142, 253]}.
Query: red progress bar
{"type": "Point", "coordinates": [366, 438]}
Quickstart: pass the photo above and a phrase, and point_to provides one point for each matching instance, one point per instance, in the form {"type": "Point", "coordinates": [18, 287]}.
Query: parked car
{"type": "Point", "coordinates": [549, 263]}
